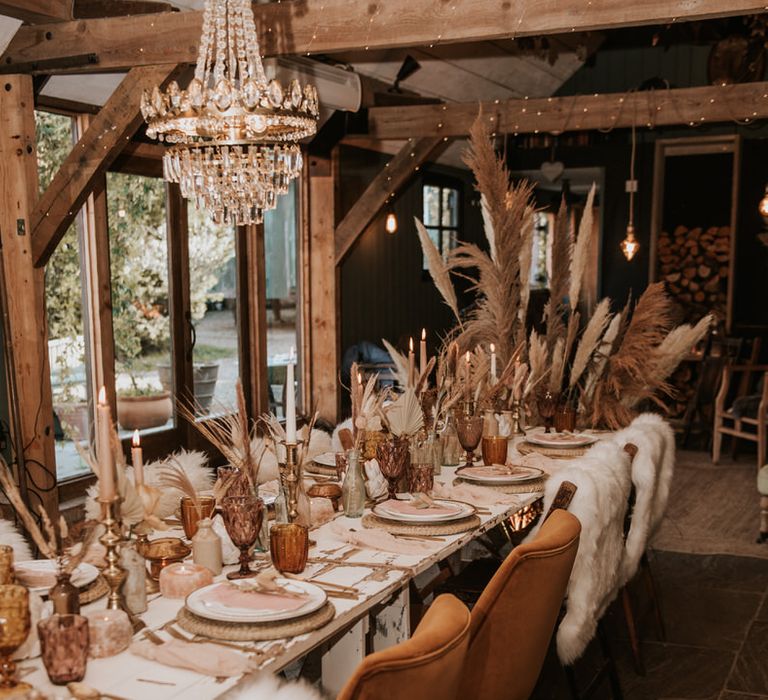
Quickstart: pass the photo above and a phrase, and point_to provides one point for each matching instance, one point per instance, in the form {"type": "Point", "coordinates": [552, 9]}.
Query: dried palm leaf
{"type": "Point", "coordinates": [581, 250]}
{"type": "Point", "coordinates": [438, 270]}
{"type": "Point", "coordinates": [404, 415]}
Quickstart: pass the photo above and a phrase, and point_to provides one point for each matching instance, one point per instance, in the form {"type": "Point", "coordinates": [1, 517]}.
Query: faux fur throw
{"type": "Point", "coordinates": [319, 442]}
{"type": "Point", "coordinates": [268, 685]}
{"type": "Point", "coordinates": [600, 503]}
{"type": "Point", "coordinates": [194, 463]}
{"type": "Point", "coordinates": [10, 535]}
{"type": "Point", "coordinates": [652, 469]}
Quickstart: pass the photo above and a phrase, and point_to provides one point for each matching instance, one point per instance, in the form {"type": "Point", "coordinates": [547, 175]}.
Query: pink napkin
{"type": "Point", "coordinates": [207, 659]}
{"type": "Point", "coordinates": [232, 597]}
{"type": "Point", "coordinates": [381, 540]}
{"type": "Point", "coordinates": [476, 495]}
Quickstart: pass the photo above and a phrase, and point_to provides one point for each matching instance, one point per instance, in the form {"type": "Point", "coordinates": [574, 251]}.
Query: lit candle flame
{"type": "Point", "coordinates": [493, 348]}
{"type": "Point", "coordinates": [410, 344]}
{"type": "Point", "coordinates": [136, 440]}
{"type": "Point", "coordinates": [423, 333]}
{"type": "Point", "coordinates": [102, 396]}
{"type": "Point", "coordinates": [359, 378]}
{"type": "Point", "coordinates": [466, 357]}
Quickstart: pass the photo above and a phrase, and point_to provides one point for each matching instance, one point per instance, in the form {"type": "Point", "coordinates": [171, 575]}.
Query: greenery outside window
{"type": "Point", "coordinates": [441, 215]}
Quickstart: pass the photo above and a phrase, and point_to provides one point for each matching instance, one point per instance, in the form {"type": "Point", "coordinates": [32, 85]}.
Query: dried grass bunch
{"type": "Point", "coordinates": [606, 363]}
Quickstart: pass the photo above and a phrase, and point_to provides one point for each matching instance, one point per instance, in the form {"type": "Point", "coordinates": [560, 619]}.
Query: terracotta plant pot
{"type": "Point", "coordinates": [140, 412]}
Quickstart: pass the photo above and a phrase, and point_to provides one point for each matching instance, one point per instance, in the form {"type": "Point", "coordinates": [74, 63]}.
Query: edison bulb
{"type": "Point", "coordinates": [391, 223]}
{"type": "Point", "coordinates": [630, 245]}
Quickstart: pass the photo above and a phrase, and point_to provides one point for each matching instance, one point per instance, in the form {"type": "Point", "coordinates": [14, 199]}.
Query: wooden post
{"type": "Point", "coordinates": [26, 293]}
{"type": "Point", "coordinates": [321, 288]}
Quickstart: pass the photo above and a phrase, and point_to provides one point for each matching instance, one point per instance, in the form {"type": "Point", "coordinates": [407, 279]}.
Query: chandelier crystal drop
{"type": "Point", "coordinates": [232, 134]}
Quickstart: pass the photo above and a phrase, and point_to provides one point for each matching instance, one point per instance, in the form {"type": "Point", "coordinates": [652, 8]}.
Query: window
{"type": "Point", "coordinates": [441, 216]}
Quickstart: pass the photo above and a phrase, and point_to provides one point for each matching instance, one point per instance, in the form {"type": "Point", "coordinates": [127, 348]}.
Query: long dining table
{"type": "Point", "coordinates": [378, 616]}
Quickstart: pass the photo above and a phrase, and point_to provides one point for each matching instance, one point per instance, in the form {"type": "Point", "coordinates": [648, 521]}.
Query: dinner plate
{"type": "Point", "coordinates": [327, 459]}
{"type": "Point", "coordinates": [563, 440]}
{"type": "Point", "coordinates": [443, 511]}
{"type": "Point", "coordinates": [37, 568]}
{"type": "Point", "coordinates": [499, 474]}
{"type": "Point", "coordinates": [229, 601]}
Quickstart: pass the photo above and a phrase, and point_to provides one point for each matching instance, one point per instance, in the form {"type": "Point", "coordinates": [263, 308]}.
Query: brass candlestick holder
{"type": "Point", "coordinates": [516, 428]}
{"type": "Point", "coordinates": [113, 574]}
{"type": "Point", "coordinates": [292, 480]}
{"type": "Point", "coordinates": [468, 407]}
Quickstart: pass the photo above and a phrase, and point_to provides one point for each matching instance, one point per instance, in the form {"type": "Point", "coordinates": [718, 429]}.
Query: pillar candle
{"type": "Point", "coordinates": [137, 459]}
{"type": "Point", "coordinates": [493, 363]}
{"type": "Point", "coordinates": [411, 362]}
{"type": "Point", "coordinates": [423, 351]}
{"type": "Point", "coordinates": [467, 378]}
{"type": "Point", "coordinates": [179, 580]}
{"type": "Point", "coordinates": [104, 448]}
{"type": "Point", "coordinates": [109, 633]}
{"type": "Point", "coordinates": [290, 400]}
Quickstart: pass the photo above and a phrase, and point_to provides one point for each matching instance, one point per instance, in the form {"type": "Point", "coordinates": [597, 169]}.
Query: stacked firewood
{"type": "Point", "coordinates": [694, 263]}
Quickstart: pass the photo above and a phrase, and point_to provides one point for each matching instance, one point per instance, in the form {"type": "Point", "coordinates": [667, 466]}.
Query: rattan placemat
{"type": "Point", "coordinates": [532, 486]}
{"type": "Point", "coordinates": [526, 448]}
{"type": "Point", "coordinates": [454, 527]}
{"type": "Point", "coordinates": [98, 589]}
{"type": "Point", "coordinates": [255, 632]}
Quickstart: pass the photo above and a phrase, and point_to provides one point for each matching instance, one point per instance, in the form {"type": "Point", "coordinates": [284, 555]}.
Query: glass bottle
{"type": "Point", "coordinates": [64, 595]}
{"type": "Point", "coordinates": [435, 445]}
{"type": "Point", "coordinates": [451, 446]}
{"type": "Point", "coordinates": [206, 547]}
{"type": "Point", "coordinates": [353, 489]}
{"type": "Point", "coordinates": [135, 585]}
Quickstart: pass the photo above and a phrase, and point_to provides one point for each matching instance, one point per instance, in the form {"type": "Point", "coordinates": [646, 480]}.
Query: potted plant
{"type": "Point", "coordinates": [142, 407]}
{"type": "Point", "coordinates": [69, 403]}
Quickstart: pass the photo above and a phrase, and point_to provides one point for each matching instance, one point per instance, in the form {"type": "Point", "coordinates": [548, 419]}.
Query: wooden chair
{"type": "Point", "coordinates": [513, 620]}
{"type": "Point", "coordinates": [744, 427]}
{"type": "Point", "coordinates": [429, 664]}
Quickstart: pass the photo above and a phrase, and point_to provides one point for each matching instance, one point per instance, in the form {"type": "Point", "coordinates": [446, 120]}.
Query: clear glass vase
{"type": "Point", "coordinates": [353, 489]}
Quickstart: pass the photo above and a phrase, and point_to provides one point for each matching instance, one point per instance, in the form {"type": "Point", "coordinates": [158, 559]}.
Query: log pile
{"type": "Point", "coordinates": [694, 263]}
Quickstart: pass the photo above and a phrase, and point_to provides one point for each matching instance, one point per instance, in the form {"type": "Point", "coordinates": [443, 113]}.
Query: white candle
{"type": "Point", "coordinates": [137, 459]}
{"type": "Point", "coordinates": [466, 378]}
{"type": "Point", "coordinates": [290, 401]}
{"type": "Point", "coordinates": [493, 363]}
{"type": "Point", "coordinates": [104, 448]}
{"type": "Point", "coordinates": [423, 351]}
{"type": "Point", "coordinates": [411, 362]}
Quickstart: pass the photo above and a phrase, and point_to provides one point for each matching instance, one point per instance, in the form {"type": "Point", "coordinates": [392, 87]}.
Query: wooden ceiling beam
{"type": "Point", "coordinates": [106, 136]}
{"type": "Point", "coordinates": [392, 177]}
{"type": "Point", "coordinates": [37, 11]}
{"type": "Point", "coordinates": [296, 27]}
{"type": "Point", "coordinates": [695, 106]}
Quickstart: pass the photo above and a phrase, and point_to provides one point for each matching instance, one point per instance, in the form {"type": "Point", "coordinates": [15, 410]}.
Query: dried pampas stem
{"type": "Point", "coordinates": [173, 476]}
{"type": "Point", "coordinates": [581, 250]}
{"type": "Point", "coordinates": [438, 270]}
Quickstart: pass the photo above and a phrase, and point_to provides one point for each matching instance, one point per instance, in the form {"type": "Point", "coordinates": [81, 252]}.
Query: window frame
{"type": "Point", "coordinates": [444, 182]}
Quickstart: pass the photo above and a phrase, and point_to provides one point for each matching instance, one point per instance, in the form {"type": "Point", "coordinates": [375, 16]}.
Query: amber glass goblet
{"type": "Point", "coordinates": [14, 628]}
{"type": "Point", "coordinates": [494, 449]}
{"type": "Point", "coordinates": [394, 457]}
{"type": "Point", "coordinates": [238, 481]}
{"type": "Point", "coordinates": [421, 478]}
{"type": "Point", "coordinates": [289, 547]}
{"type": "Point", "coordinates": [242, 518]}
{"type": "Point", "coordinates": [191, 516]}
{"type": "Point", "coordinates": [470, 430]}
{"type": "Point", "coordinates": [547, 405]}
{"type": "Point", "coordinates": [64, 647]}
{"type": "Point", "coordinates": [6, 564]}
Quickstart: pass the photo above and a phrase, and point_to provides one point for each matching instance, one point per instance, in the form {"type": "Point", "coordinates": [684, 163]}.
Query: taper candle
{"type": "Point", "coordinates": [423, 351]}
{"type": "Point", "coordinates": [137, 459]}
{"type": "Point", "coordinates": [104, 448]}
{"type": "Point", "coordinates": [493, 363]}
{"type": "Point", "coordinates": [467, 378]}
{"type": "Point", "coordinates": [290, 401]}
{"type": "Point", "coordinates": [411, 362]}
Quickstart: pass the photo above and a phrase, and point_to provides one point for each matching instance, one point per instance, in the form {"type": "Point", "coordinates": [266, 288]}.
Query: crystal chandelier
{"type": "Point", "coordinates": [232, 134]}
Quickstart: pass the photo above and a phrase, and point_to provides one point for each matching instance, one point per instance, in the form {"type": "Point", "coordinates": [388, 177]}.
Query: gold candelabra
{"type": "Point", "coordinates": [291, 480]}
{"type": "Point", "coordinates": [113, 574]}
{"type": "Point", "coordinates": [516, 429]}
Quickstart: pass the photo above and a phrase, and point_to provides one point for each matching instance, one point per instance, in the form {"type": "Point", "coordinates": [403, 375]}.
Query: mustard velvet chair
{"type": "Point", "coordinates": [428, 665]}
{"type": "Point", "coordinates": [513, 620]}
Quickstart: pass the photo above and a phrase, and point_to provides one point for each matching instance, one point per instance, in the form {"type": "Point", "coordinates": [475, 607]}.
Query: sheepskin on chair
{"type": "Point", "coordinates": [652, 469]}
{"type": "Point", "coordinates": [193, 462]}
{"type": "Point", "coordinates": [10, 535]}
{"type": "Point", "coordinates": [600, 503]}
{"type": "Point", "coordinates": [268, 685]}
{"type": "Point", "coordinates": [319, 442]}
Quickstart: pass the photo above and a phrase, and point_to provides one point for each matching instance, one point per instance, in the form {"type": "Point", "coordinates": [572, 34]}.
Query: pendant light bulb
{"type": "Point", "coordinates": [763, 206]}
{"type": "Point", "coordinates": [391, 223]}
{"type": "Point", "coordinates": [630, 244]}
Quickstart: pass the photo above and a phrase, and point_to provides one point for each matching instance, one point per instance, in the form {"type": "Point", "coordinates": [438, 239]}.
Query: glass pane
{"type": "Point", "coordinates": [138, 245]}
{"type": "Point", "coordinates": [213, 297]}
{"type": "Point", "coordinates": [434, 234]}
{"type": "Point", "coordinates": [431, 196]}
{"type": "Point", "coordinates": [64, 308]}
{"type": "Point", "coordinates": [449, 242]}
{"type": "Point", "coordinates": [539, 277]}
{"type": "Point", "coordinates": [283, 318]}
{"type": "Point", "coordinates": [450, 207]}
